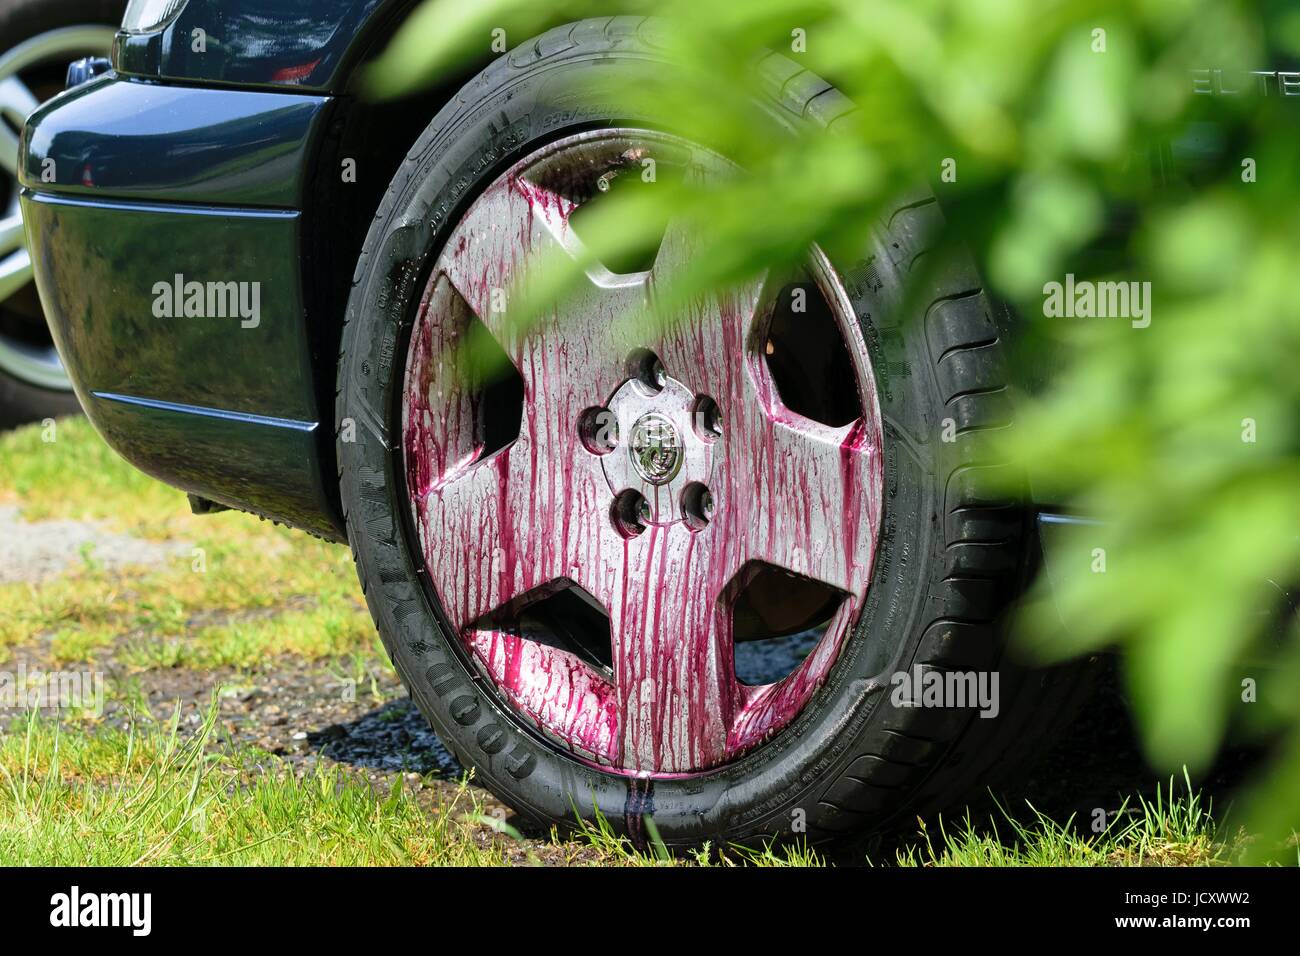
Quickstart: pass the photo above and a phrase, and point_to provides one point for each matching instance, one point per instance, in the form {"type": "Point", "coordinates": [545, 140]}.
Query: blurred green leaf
{"type": "Point", "coordinates": [1181, 437]}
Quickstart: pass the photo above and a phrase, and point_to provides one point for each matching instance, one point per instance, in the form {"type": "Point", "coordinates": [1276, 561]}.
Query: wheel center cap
{"type": "Point", "coordinates": [655, 447]}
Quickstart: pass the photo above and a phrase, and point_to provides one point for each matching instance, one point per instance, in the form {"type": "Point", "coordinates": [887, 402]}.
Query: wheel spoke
{"type": "Point", "coordinates": [531, 513]}
{"type": "Point", "coordinates": [15, 272]}
{"type": "Point", "coordinates": [486, 254]}
{"type": "Point", "coordinates": [510, 525]}
{"type": "Point", "coordinates": [704, 341]}
{"type": "Point", "coordinates": [513, 231]}
{"type": "Point", "coordinates": [11, 234]}
{"type": "Point", "coordinates": [16, 103]}
{"type": "Point", "coordinates": [813, 507]}
{"type": "Point", "coordinates": [811, 490]}
{"type": "Point", "coordinates": [672, 644]}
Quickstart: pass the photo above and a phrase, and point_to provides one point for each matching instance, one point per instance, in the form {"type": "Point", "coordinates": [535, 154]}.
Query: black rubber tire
{"type": "Point", "coordinates": [20, 20]}
{"type": "Point", "coordinates": [950, 558]}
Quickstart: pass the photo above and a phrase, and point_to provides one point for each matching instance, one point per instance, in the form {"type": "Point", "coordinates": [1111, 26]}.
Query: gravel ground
{"type": "Point", "coordinates": [307, 715]}
{"type": "Point", "coordinates": [304, 713]}
{"type": "Point", "coordinates": [298, 712]}
{"type": "Point", "coordinates": [36, 551]}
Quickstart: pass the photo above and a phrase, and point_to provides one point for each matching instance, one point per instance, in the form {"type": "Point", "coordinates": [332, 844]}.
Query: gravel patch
{"type": "Point", "coordinates": [35, 551]}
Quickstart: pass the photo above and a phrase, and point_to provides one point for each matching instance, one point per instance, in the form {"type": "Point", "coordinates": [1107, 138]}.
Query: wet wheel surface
{"type": "Point", "coordinates": [636, 568]}
{"type": "Point", "coordinates": [663, 528]}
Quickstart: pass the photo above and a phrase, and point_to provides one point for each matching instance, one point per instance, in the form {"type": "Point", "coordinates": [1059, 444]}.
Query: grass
{"type": "Point", "coordinates": [244, 595]}
{"type": "Point", "coordinates": [150, 795]}
{"type": "Point", "coordinates": [1175, 828]}
{"type": "Point", "coordinates": [67, 472]}
{"type": "Point", "coordinates": [239, 591]}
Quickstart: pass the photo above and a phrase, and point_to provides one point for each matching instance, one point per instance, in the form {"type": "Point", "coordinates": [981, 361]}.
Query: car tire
{"type": "Point", "coordinates": [951, 557]}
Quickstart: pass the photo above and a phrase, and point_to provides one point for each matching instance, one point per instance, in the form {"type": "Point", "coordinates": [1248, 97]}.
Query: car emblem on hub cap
{"type": "Point", "coordinates": [656, 449]}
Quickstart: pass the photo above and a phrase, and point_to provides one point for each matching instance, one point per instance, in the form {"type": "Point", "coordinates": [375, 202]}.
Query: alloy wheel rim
{"type": "Point", "coordinates": [35, 362]}
{"type": "Point", "coordinates": [660, 521]}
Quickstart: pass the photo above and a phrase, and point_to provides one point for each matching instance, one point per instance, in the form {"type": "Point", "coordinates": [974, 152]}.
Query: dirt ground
{"type": "Point", "coordinates": [304, 712]}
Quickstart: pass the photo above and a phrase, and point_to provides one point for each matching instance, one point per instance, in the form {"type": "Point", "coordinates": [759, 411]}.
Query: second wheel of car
{"type": "Point", "coordinates": [40, 39]}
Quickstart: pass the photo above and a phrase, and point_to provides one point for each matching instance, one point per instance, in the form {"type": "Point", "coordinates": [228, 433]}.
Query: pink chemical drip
{"type": "Point", "coordinates": [790, 492]}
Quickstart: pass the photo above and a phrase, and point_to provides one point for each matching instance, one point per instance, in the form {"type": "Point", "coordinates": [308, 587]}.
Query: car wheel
{"type": "Point", "coordinates": [41, 37]}
{"type": "Point", "coordinates": [635, 570]}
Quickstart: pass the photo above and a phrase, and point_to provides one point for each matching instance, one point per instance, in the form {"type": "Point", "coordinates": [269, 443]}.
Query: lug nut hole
{"type": "Point", "coordinates": [644, 366]}
{"type": "Point", "coordinates": [707, 418]}
{"type": "Point", "coordinates": [630, 514]}
{"type": "Point", "coordinates": [698, 506]}
{"type": "Point", "coordinates": [598, 430]}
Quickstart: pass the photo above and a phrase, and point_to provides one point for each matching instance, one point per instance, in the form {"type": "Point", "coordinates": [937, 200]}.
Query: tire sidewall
{"type": "Point", "coordinates": [770, 791]}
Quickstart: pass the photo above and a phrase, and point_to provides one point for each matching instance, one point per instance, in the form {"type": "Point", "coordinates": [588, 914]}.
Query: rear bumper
{"type": "Point", "coordinates": [165, 226]}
